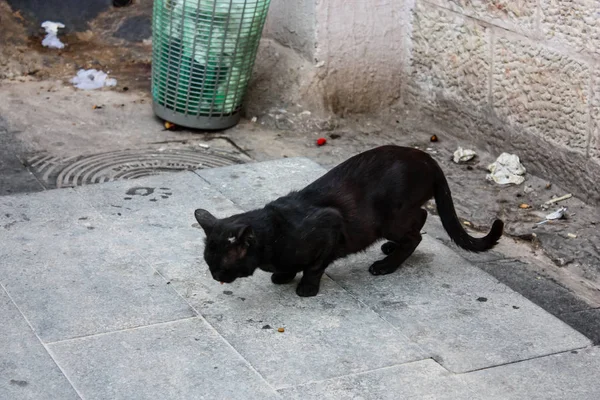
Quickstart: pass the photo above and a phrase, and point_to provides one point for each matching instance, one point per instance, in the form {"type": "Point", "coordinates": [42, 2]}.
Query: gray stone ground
{"type": "Point", "coordinates": [105, 296]}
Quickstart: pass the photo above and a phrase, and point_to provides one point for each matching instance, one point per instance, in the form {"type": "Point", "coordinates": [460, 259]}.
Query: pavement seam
{"type": "Point", "coordinates": [396, 329]}
{"type": "Point", "coordinates": [134, 328]}
{"type": "Point", "coordinates": [527, 359]}
{"type": "Point", "coordinates": [62, 371]}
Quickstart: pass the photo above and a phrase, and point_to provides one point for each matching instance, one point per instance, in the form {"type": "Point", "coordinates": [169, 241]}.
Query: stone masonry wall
{"type": "Point", "coordinates": [515, 75]}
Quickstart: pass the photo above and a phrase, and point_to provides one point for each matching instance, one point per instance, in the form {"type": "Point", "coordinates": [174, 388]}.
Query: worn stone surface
{"type": "Point", "coordinates": [179, 360]}
{"type": "Point", "coordinates": [144, 210]}
{"type": "Point", "coordinates": [14, 177]}
{"type": "Point", "coordinates": [252, 186]}
{"type": "Point", "coordinates": [594, 151]}
{"type": "Point", "coordinates": [326, 336]}
{"type": "Point", "coordinates": [542, 291]}
{"type": "Point", "coordinates": [574, 24]}
{"type": "Point", "coordinates": [543, 92]}
{"type": "Point", "coordinates": [464, 316]}
{"type": "Point", "coordinates": [26, 370]}
{"type": "Point", "coordinates": [542, 378]}
{"type": "Point", "coordinates": [363, 47]}
{"type": "Point", "coordinates": [420, 380]}
{"type": "Point", "coordinates": [586, 322]}
{"type": "Point", "coordinates": [293, 24]}
{"type": "Point", "coordinates": [515, 15]}
{"type": "Point", "coordinates": [75, 276]}
{"type": "Point", "coordinates": [450, 57]}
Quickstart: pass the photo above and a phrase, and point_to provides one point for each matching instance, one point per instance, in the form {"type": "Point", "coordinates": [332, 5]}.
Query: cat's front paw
{"type": "Point", "coordinates": [280, 278]}
{"type": "Point", "coordinates": [307, 290]}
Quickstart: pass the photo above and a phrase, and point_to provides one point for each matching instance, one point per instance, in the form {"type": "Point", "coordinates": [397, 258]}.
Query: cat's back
{"type": "Point", "coordinates": [371, 166]}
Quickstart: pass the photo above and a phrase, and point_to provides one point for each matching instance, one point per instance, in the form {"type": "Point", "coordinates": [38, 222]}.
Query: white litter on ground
{"type": "Point", "coordinates": [92, 79]}
{"type": "Point", "coordinates": [51, 40]}
{"type": "Point", "coordinates": [463, 155]}
{"type": "Point", "coordinates": [507, 169]}
{"type": "Point", "coordinates": [558, 214]}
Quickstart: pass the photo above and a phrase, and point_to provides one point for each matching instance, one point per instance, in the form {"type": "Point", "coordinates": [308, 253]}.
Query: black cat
{"type": "Point", "coordinates": [373, 195]}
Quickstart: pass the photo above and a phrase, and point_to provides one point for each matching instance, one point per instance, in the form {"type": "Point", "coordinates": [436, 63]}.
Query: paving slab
{"type": "Point", "coordinates": [418, 380]}
{"type": "Point", "coordinates": [251, 186]}
{"type": "Point", "coordinates": [26, 369]}
{"type": "Point", "coordinates": [156, 214]}
{"type": "Point", "coordinates": [325, 336]}
{"type": "Point", "coordinates": [180, 360]}
{"type": "Point", "coordinates": [464, 316]}
{"type": "Point", "coordinates": [71, 275]}
{"type": "Point", "coordinates": [567, 376]}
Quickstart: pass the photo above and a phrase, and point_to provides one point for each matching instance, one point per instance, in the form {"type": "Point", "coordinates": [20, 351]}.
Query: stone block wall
{"type": "Point", "coordinates": [515, 75]}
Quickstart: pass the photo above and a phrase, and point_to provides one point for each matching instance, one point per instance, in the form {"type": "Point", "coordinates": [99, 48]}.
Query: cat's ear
{"type": "Point", "coordinates": [245, 235]}
{"type": "Point", "coordinates": [206, 220]}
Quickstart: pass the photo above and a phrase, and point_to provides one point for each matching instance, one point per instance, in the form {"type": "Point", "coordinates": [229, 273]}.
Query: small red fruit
{"type": "Point", "coordinates": [321, 141]}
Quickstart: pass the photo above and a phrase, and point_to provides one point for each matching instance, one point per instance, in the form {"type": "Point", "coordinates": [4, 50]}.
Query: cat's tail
{"type": "Point", "coordinates": [452, 225]}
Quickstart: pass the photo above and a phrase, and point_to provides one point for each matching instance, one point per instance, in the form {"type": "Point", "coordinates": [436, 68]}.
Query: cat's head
{"type": "Point", "coordinates": [228, 247]}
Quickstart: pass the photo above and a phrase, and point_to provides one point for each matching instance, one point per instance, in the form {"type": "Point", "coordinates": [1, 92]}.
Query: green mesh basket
{"type": "Point", "coordinates": [202, 59]}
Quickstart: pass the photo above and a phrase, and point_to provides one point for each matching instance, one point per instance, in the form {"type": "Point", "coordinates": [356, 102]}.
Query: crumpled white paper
{"type": "Point", "coordinates": [507, 169]}
{"type": "Point", "coordinates": [463, 155]}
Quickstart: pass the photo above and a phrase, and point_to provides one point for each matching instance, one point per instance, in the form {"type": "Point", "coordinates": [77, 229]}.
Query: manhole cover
{"type": "Point", "coordinates": [120, 165]}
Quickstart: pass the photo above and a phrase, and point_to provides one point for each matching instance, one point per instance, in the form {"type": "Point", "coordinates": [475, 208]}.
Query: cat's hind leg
{"type": "Point", "coordinates": [405, 235]}
{"type": "Point", "coordinates": [280, 278]}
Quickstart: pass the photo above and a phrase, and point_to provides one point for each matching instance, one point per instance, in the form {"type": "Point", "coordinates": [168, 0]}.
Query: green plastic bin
{"type": "Point", "coordinates": [202, 59]}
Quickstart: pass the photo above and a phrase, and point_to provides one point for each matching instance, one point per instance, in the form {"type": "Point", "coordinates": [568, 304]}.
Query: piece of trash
{"type": "Point", "coordinates": [467, 223]}
{"type": "Point", "coordinates": [92, 79]}
{"type": "Point", "coordinates": [524, 206]}
{"type": "Point", "coordinates": [204, 146]}
{"type": "Point", "coordinates": [254, 119]}
{"type": "Point", "coordinates": [529, 237]}
{"type": "Point", "coordinates": [169, 125]}
{"type": "Point", "coordinates": [280, 330]}
{"type": "Point", "coordinates": [548, 185]}
{"type": "Point", "coordinates": [307, 113]}
{"type": "Point", "coordinates": [572, 235]}
{"type": "Point", "coordinates": [557, 199]}
{"type": "Point", "coordinates": [463, 155]}
{"type": "Point", "coordinates": [558, 214]}
{"type": "Point", "coordinates": [51, 40]}
{"type": "Point", "coordinates": [434, 138]}
{"type": "Point", "coordinates": [321, 141]}
{"type": "Point", "coordinates": [506, 169]}
{"type": "Point", "coordinates": [96, 107]}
